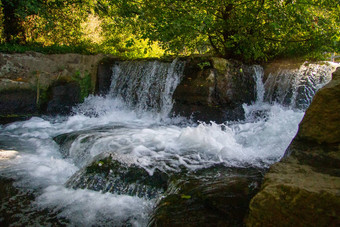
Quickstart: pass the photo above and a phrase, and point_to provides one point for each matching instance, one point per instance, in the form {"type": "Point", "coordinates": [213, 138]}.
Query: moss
{"type": "Point", "coordinates": [129, 174]}
{"type": "Point", "coordinates": [204, 64]}
{"type": "Point", "coordinates": [85, 83]}
{"type": "Point", "coordinates": [9, 118]}
{"type": "Point", "coordinates": [220, 64]}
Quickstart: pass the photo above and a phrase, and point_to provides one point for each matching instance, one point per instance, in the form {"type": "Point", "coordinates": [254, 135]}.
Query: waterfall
{"type": "Point", "coordinates": [146, 85]}
{"type": "Point", "coordinates": [297, 87]}
{"type": "Point", "coordinates": [258, 77]}
{"type": "Point", "coordinates": [108, 145]}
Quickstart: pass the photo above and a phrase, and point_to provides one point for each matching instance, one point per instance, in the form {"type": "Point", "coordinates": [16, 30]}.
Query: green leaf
{"type": "Point", "coordinates": [183, 196]}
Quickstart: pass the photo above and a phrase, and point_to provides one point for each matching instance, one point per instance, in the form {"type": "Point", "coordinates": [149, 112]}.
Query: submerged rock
{"type": "Point", "coordinates": [303, 188]}
{"type": "Point", "coordinates": [77, 145]}
{"type": "Point", "coordinates": [217, 196]}
{"type": "Point", "coordinates": [17, 207]}
{"type": "Point", "coordinates": [109, 175]}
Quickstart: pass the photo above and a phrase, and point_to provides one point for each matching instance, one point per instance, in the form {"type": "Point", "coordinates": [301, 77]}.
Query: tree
{"type": "Point", "coordinates": [13, 14]}
{"type": "Point", "coordinates": [58, 21]}
{"type": "Point", "coordinates": [244, 29]}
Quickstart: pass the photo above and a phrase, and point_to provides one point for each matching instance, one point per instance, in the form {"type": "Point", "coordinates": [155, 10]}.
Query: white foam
{"type": "Point", "coordinates": [258, 142]}
{"type": "Point", "coordinates": [41, 166]}
{"type": "Point", "coordinates": [90, 208]}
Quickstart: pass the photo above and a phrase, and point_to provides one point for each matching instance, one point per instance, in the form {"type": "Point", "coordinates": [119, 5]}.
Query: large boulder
{"type": "Point", "coordinates": [303, 188]}
{"type": "Point", "coordinates": [214, 89]}
{"type": "Point", "coordinates": [215, 196]}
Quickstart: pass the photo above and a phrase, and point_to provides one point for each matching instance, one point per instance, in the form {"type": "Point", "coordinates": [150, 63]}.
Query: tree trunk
{"type": "Point", "coordinates": [13, 30]}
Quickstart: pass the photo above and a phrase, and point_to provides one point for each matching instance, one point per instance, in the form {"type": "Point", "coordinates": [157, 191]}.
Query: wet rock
{"type": "Point", "coordinates": [104, 75]}
{"type": "Point", "coordinates": [17, 104]}
{"type": "Point", "coordinates": [109, 175]}
{"type": "Point", "coordinates": [77, 145]}
{"type": "Point", "coordinates": [303, 188]}
{"type": "Point", "coordinates": [63, 96]}
{"type": "Point", "coordinates": [214, 89]}
{"type": "Point", "coordinates": [17, 210]}
{"type": "Point", "coordinates": [65, 142]}
{"type": "Point", "coordinates": [217, 196]}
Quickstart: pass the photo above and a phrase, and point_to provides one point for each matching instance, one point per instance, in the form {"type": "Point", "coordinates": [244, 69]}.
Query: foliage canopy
{"type": "Point", "coordinates": [250, 30]}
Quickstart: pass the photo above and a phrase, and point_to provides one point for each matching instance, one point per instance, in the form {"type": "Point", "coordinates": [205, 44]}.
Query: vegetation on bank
{"type": "Point", "coordinates": [258, 30]}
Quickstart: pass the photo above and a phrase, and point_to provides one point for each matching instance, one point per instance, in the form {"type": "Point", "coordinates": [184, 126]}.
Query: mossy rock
{"type": "Point", "coordinates": [220, 64]}
{"type": "Point", "coordinates": [214, 89]}
{"type": "Point", "coordinates": [109, 175]}
{"type": "Point", "coordinates": [295, 195]}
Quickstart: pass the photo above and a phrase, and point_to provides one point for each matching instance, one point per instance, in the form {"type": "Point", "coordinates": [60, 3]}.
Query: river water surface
{"type": "Point", "coordinates": [34, 170]}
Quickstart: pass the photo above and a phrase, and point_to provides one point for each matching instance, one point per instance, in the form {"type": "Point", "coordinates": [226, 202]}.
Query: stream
{"type": "Point", "coordinates": [47, 163]}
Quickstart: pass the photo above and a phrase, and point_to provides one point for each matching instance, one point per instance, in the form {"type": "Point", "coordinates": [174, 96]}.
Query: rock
{"type": "Point", "coordinates": [321, 122]}
{"type": "Point", "coordinates": [77, 144]}
{"type": "Point", "coordinates": [217, 196]}
{"type": "Point", "coordinates": [109, 175]}
{"type": "Point", "coordinates": [214, 89]}
{"type": "Point", "coordinates": [18, 101]}
{"type": "Point", "coordinates": [303, 188]}
{"type": "Point", "coordinates": [65, 142]}
{"type": "Point", "coordinates": [104, 75]}
{"type": "Point", "coordinates": [17, 105]}
{"type": "Point", "coordinates": [16, 207]}
{"type": "Point", "coordinates": [35, 74]}
{"type": "Point", "coordinates": [296, 195]}
{"type": "Point", "coordinates": [31, 68]}
{"type": "Point", "coordinates": [63, 96]}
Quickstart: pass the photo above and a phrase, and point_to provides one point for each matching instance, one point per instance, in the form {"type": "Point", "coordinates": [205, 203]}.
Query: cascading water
{"type": "Point", "coordinates": [258, 77]}
{"type": "Point", "coordinates": [297, 87]}
{"type": "Point", "coordinates": [60, 182]}
{"type": "Point", "coordinates": [146, 86]}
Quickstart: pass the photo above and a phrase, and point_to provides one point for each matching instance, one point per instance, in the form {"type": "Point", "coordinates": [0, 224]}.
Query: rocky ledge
{"type": "Point", "coordinates": [214, 89]}
{"type": "Point", "coordinates": [33, 83]}
{"type": "Point", "coordinates": [303, 189]}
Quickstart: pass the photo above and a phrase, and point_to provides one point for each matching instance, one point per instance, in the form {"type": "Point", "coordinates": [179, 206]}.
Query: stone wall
{"type": "Point", "coordinates": [31, 82]}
